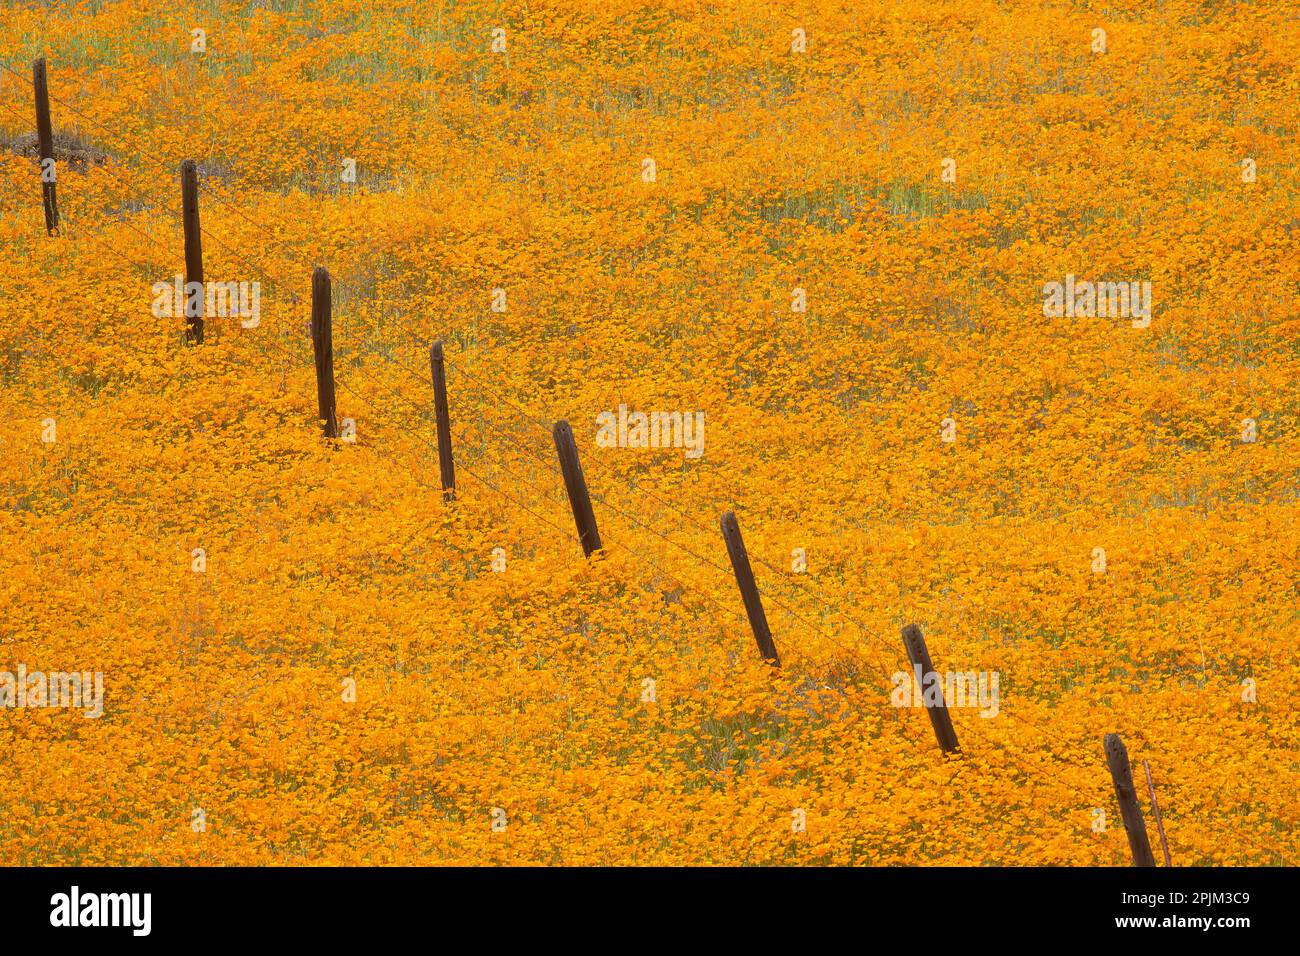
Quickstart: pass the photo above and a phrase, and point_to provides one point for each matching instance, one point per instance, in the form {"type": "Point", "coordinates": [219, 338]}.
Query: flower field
{"type": "Point", "coordinates": [824, 233]}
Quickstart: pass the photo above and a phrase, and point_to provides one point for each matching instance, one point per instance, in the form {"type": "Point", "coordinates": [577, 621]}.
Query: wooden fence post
{"type": "Point", "coordinates": [443, 415]}
{"type": "Point", "coordinates": [923, 672]}
{"type": "Point", "coordinates": [575, 485]}
{"type": "Point", "coordinates": [193, 251]}
{"type": "Point", "coordinates": [748, 589]}
{"type": "Point", "coordinates": [1121, 774]}
{"type": "Point", "coordinates": [322, 346]}
{"type": "Point", "coordinates": [45, 146]}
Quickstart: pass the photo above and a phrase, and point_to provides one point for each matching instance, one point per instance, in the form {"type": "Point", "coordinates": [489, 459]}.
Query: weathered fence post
{"type": "Point", "coordinates": [45, 145]}
{"type": "Point", "coordinates": [1121, 774]}
{"type": "Point", "coordinates": [924, 673]}
{"type": "Point", "coordinates": [748, 589]}
{"type": "Point", "coordinates": [322, 346]}
{"type": "Point", "coordinates": [1155, 812]}
{"type": "Point", "coordinates": [575, 484]}
{"type": "Point", "coordinates": [445, 463]}
{"type": "Point", "coordinates": [194, 304]}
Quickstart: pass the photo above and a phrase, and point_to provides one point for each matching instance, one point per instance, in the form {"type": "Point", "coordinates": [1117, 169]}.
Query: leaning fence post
{"type": "Point", "coordinates": [575, 484]}
{"type": "Point", "coordinates": [748, 589]}
{"type": "Point", "coordinates": [322, 346]}
{"type": "Point", "coordinates": [924, 673]}
{"type": "Point", "coordinates": [1155, 812]}
{"type": "Point", "coordinates": [445, 463]}
{"type": "Point", "coordinates": [1121, 774]}
{"type": "Point", "coordinates": [45, 145]}
{"type": "Point", "coordinates": [193, 252]}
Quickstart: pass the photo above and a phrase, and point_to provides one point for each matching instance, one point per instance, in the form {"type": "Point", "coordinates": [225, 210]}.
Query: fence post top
{"type": "Point", "coordinates": [729, 523]}
{"type": "Point", "coordinates": [914, 643]}
{"type": "Point", "coordinates": [561, 429]}
{"type": "Point", "coordinates": [1114, 746]}
{"type": "Point", "coordinates": [435, 350]}
{"type": "Point", "coordinates": [913, 639]}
